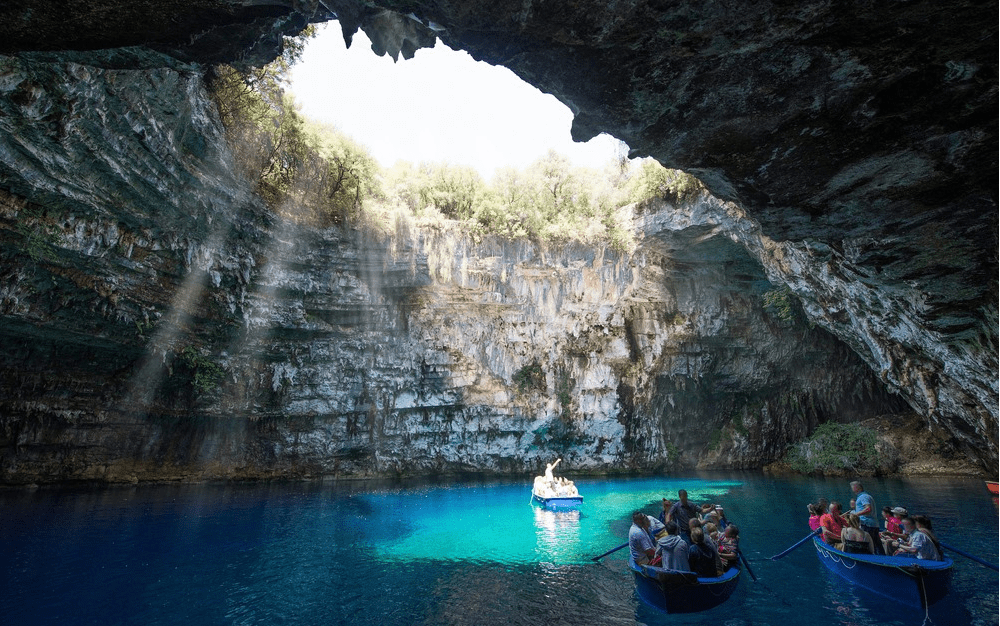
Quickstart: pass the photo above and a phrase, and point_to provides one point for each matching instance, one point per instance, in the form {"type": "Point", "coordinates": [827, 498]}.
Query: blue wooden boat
{"type": "Point", "coordinates": [560, 502]}
{"type": "Point", "coordinates": [913, 582]}
{"type": "Point", "coordinates": [672, 591]}
{"type": "Point", "coordinates": [546, 493]}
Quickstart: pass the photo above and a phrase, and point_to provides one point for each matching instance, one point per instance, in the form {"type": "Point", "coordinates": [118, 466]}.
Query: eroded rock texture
{"type": "Point", "coordinates": [851, 152]}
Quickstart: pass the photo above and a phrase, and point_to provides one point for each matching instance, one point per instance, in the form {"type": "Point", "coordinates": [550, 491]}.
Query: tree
{"type": "Point", "coordinates": [250, 96]}
{"type": "Point", "coordinates": [655, 181]}
{"type": "Point", "coordinates": [553, 177]}
{"type": "Point", "coordinates": [451, 189]}
{"type": "Point", "coordinates": [337, 175]}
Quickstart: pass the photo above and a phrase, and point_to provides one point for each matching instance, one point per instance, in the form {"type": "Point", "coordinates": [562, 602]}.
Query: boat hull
{"type": "Point", "coordinates": [675, 592]}
{"type": "Point", "coordinates": [564, 502]}
{"type": "Point", "coordinates": [993, 487]}
{"type": "Point", "coordinates": [910, 581]}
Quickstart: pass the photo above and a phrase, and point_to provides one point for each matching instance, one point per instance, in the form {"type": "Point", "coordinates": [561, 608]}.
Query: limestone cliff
{"type": "Point", "coordinates": [345, 353]}
{"type": "Point", "coordinates": [852, 158]}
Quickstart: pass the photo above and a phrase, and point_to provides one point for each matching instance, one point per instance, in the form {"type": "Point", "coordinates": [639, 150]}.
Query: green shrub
{"type": "Point", "coordinates": [779, 303]}
{"type": "Point", "coordinates": [673, 453]}
{"type": "Point", "coordinates": [715, 439]}
{"type": "Point", "coordinates": [205, 375]}
{"type": "Point", "coordinates": [836, 448]}
{"type": "Point", "coordinates": [39, 243]}
{"type": "Point", "coordinates": [530, 377]}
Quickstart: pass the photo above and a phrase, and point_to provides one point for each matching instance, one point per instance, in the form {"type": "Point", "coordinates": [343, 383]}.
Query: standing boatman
{"type": "Point", "coordinates": [681, 512]}
{"type": "Point", "coordinates": [864, 507]}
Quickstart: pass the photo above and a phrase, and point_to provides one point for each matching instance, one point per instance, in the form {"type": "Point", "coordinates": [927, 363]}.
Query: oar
{"type": "Point", "coordinates": [598, 558]}
{"type": "Point", "coordinates": [804, 539]}
{"type": "Point", "coordinates": [747, 564]}
{"type": "Point", "coordinates": [969, 556]}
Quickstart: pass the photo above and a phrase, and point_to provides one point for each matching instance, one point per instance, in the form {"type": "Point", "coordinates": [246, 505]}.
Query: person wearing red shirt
{"type": "Point", "coordinates": [815, 513]}
{"type": "Point", "coordinates": [832, 524]}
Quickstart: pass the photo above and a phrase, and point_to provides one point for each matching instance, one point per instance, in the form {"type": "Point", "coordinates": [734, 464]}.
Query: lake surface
{"type": "Point", "coordinates": [442, 553]}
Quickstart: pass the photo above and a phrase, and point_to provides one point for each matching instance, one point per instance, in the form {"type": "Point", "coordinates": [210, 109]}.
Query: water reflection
{"type": "Point", "coordinates": [557, 532]}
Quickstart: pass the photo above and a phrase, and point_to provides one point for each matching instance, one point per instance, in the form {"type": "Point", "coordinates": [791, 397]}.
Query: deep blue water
{"type": "Point", "coordinates": [441, 553]}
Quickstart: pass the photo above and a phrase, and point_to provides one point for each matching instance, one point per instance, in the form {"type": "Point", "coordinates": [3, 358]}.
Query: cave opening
{"type": "Point", "coordinates": [440, 105]}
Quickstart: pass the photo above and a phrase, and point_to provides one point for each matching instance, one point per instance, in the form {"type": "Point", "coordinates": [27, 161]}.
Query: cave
{"type": "Point", "coordinates": [849, 160]}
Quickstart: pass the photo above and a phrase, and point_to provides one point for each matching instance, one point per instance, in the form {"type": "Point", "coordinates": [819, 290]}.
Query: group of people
{"type": "Point", "coordinates": [685, 538]}
{"type": "Point", "coordinates": [858, 531]}
{"type": "Point", "coordinates": [550, 486]}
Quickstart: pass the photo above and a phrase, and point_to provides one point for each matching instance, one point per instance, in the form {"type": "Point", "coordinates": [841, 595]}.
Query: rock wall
{"type": "Point", "coordinates": [851, 154]}
{"type": "Point", "coordinates": [141, 264]}
{"type": "Point", "coordinates": [433, 353]}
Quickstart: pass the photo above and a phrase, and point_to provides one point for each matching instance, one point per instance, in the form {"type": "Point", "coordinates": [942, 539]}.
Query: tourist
{"type": "Point", "coordinates": [640, 543]}
{"type": "Point", "coordinates": [729, 546]}
{"type": "Point", "coordinates": [549, 478]}
{"type": "Point", "coordinates": [543, 489]}
{"type": "Point", "coordinates": [711, 530]}
{"type": "Point", "coordinates": [904, 540]}
{"type": "Point", "coordinates": [712, 517]}
{"type": "Point", "coordinates": [856, 541]}
{"type": "Point", "coordinates": [899, 513]}
{"type": "Point", "coordinates": [832, 524]}
{"type": "Point", "coordinates": [706, 509]}
{"type": "Point", "coordinates": [665, 513]}
{"type": "Point", "coordinates": [695, 523]}
{"type": "Point", "coordinates": [891, 521]}
{"type": "Point", "coordinates": [723, 522]}
{"type": "Point", "coordinates": [893, 529]}
{"type": "Point", "coordinates": [702, 559]}
{"type": "Point", "coordinates": [923, 544]}
{"type": "Point", "coordinates": [683, 512]}
{"type": "Point", "coordinates": [865, 508]}
{"type": "Point", "coordinates": [814, 515]}
{"type": "Point", "coordinates": [672, 549]}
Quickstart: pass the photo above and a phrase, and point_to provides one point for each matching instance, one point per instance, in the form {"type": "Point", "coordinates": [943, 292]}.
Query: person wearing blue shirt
{"type": "Point", "coordinates": [864, 507]}
{"type": "Point", "coordinates": [681, 512]}
{"type": "Point", "coordinates": [640, 541]}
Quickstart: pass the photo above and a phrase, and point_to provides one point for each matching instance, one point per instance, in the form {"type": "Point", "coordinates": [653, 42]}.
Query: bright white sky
{"type": "Point", "coordinates": [441, 105]}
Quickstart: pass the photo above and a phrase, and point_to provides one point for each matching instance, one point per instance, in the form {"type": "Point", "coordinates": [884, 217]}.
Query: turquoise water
{"type": "Point", "coordinates": [440, 553]}
{"type": "Point", "coordinates": [507, 531]}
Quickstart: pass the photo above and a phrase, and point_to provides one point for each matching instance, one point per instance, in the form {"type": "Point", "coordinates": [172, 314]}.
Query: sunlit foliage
{"type": "Point", "coordinates": [655, 181]}
{"type": "Point", "coordinates": [306, 171]}
{"type": "Point", "coordinates": [313, 173]}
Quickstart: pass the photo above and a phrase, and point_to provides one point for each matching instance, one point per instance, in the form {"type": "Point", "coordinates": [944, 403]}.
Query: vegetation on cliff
{"type": "Point", "coordinates": [840, 449]}
{"type": "Point", "coordinates": [315, 174]}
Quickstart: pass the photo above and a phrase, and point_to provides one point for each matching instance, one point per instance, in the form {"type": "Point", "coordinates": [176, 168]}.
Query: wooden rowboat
{"type": "Point", "coordinates": [913, 582]}
{"type": "Point", "coordinates": [549, 494]}
{"type": "Point", "coordinates": [558, 502]}
{"type": "Point", "coordinates": [993, 486]}
{"type": "Point", "coordinates": [682, 592]}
